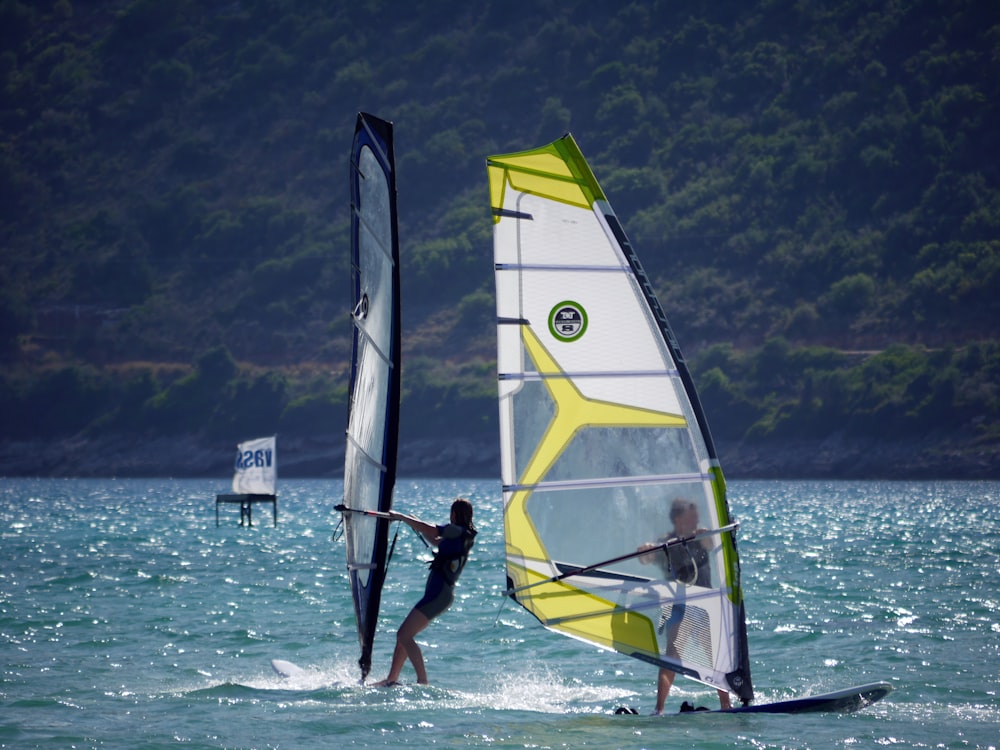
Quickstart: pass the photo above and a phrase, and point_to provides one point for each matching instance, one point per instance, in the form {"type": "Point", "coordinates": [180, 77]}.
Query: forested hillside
{"type": "Point", "coordinates": [812, 186]}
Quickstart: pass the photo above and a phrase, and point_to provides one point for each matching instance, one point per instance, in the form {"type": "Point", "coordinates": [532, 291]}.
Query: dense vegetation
{"type": "Point", "coordinates": [813, 187]}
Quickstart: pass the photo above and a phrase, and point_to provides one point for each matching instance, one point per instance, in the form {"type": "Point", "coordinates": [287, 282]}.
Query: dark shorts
{"type": "Point", "coordinates": [671, 623]}
{"type": "Point", "coordinates": [438, 596]}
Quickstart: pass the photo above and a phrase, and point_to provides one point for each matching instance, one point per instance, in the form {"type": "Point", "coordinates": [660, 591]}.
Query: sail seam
{"type": "Point", "coordinates": [386, 251]}
{"type": "Point", "coordinates": [569, 179]}
{"type": "Point", "coordinates": [653, 604]}
{"type": "Point", "coordinates": [369, 458]}
{"type": "Point", "coordinates": [507, 213]}
{"type": "Point", "coordinates": [382, 355]}
{"type": "Point", "coordinates": [650, 479]}
{"type": "Point", "coordinates": [557, 267]}
{"type": "Point", "coordinates": [533, 376]}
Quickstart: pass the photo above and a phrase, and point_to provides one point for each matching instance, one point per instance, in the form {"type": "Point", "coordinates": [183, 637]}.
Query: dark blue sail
{"type": "Point", "coordinates": [373, 408]}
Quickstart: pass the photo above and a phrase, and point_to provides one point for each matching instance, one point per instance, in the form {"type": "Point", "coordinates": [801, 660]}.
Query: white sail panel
{"type": "Point", "coordinates": [363, 466]}
{"type": "Point", "coordinates": [603, 445]}
{"type": "Point", "coordinates": [256, 471]}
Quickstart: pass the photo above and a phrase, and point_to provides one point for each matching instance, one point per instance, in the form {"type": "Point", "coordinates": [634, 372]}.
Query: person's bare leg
{"type": "Point", "coordinates": [406, 646]}
{"type": "Point", "coordinates": [398, 660]}
{"type": "Point", "coordinates": [724, 699]}
{"type": "Point", "coordinates": [413, 624]}
{"type": "Point", "coordinates": [664, 681]}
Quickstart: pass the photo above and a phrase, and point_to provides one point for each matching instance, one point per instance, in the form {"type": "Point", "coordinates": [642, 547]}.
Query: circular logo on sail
{"type": "Point", "coordinates": [361, 309]}
{"type": "Point", "coordinates": [567, 321]}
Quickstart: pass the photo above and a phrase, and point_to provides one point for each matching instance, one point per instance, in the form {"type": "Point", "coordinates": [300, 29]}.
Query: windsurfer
{"type": "Point", "coordinates": [687, 564]}
{"type": "Point", "coordinates": [454, 542]}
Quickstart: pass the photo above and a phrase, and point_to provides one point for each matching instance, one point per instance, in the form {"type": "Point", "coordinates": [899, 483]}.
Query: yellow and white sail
{"type": "Point", "coordinates": [601, 432]}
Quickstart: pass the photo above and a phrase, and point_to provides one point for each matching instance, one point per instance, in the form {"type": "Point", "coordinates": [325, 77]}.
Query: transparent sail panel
{"type": "Point", "coordinates": [375, 252]}
{"type": "Point", "coordinates": [579, 527]}
{"type": "Point", "coordinates": [364, 480]}
{"type": "Point", "coordinates": [626, 452]}
{"type": "Point", "coordinates": [368, 413]}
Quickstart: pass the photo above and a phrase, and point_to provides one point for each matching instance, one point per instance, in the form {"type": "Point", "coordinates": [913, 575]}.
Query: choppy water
{"type": "Point", "coordinates": [127, 619]}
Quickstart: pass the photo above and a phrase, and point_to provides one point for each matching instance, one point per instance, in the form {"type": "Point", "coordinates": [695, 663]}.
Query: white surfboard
{"type": "Point", "coordinates": [286, 668]}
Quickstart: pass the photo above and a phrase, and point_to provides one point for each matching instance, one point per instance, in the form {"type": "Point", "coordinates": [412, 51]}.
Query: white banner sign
{"type": "Point", "coordinates": [256, 467]}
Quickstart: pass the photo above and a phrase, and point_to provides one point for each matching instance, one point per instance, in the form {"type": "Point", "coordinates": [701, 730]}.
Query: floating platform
{"type": "Point", "coordinates": [246, 503]}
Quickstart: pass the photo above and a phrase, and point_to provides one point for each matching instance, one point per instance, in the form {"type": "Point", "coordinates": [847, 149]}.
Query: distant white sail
{"type": "Point", "coordinates": [256, 467]}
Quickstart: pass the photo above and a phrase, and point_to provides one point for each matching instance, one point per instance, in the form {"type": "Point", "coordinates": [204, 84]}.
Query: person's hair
{"type": "Point", "coordinates": [679, 507]}
{"type": "Point", "coordinates": [462, 509]}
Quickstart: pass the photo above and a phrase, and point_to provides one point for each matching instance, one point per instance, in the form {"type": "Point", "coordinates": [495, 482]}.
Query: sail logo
{"type": "Point", "coordinates": [250, 459]}
{"type": "Point", "coordinates": [361, 309]}
{"type": "Point", "coordinates": [568, 321]}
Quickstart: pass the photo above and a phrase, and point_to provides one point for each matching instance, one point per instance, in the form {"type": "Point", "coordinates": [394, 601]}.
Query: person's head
{"type": "Point", "coordinates": [461, 513]}
{"type": "Point", "coordinates": [684, 515]}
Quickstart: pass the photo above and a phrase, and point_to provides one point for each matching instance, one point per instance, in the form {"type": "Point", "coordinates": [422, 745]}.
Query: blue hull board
{"type": "Point", "coordinates": [842, 701]}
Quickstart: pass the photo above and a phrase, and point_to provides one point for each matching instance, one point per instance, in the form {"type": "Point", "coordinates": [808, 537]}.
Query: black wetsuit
{"type": "Point", "coordinates": [446, 567]}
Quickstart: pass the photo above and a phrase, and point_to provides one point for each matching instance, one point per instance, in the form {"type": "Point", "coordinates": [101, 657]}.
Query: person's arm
{"type": "Point", "coordinates": [426, 530]}
{"type": "Point", "coordinates": [648, 558]}
{"type": "Point", "coordinates": [651, 549]}
{"type": "Point", "coordinates": [705, 541]}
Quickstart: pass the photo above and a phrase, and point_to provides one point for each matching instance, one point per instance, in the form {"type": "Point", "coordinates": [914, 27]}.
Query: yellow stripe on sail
{"type": "Point", "coordinates": [733, 591]}
{"type": "Point", "coordinates": [557, 171]}
{"type": "Point", "coordinates": [584, 615]}
{"type": "Point", "coordinates": [623, 631]}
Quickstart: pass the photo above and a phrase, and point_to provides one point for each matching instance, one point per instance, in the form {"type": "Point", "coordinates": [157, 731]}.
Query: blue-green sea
{"type": "Point", "coordinates": [129, 620]}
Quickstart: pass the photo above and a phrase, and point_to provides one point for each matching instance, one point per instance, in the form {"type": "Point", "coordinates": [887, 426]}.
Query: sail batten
{"type": "Point", "coordinates": [593, 374]}
{"type": "Point", "coordinates": [605, 451]}
{"type": "Point", "coordinates": [374, 462]}
{"type": "Point", "coordinates": [610, 482]}
{"type": "Point", "coordinates": [562, 267]}
{"type": "Point", "coordinates": [386, 357]}
{"type": "Point", "coordinates": [373, 404]}
{"type": "Point", "coordinates": [386, 248]}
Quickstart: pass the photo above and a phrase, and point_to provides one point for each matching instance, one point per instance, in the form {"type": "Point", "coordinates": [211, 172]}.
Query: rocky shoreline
{"type": "Point", "coordinates": [834, 457]}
